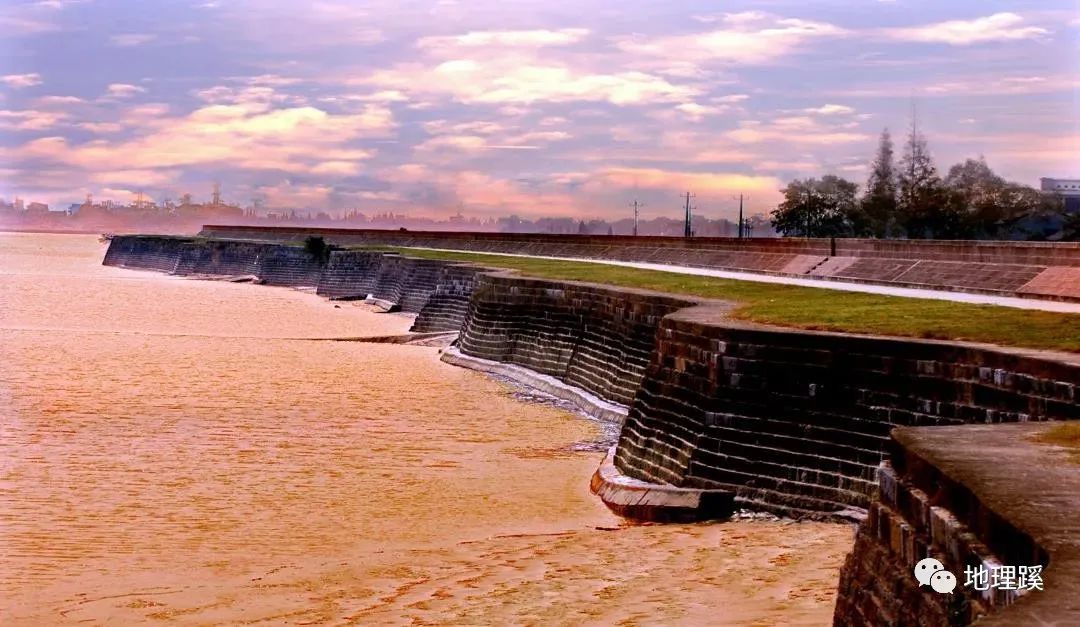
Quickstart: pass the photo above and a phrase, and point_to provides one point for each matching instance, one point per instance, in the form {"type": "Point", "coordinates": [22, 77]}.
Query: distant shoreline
{"type": "Point", "coordinates": [56, 231]}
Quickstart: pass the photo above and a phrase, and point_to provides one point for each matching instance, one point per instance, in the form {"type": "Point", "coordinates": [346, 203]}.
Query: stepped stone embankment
{"type": "Point", "coordinates": [590, 336]}
{"type": "Point", "coordinates": [159, 253]}
{"type": "Point", "coordinates": [792, 422]}
{"type": "Point", "coordinates": [225, 258]}
{"type": "Point", "coordinates": [797, 421]}
{"type": "Point", "coordinates": [1048, 270]}
{"type": "Point", "coordinates": [289, 266]}
{"type": "Point", "coordinates": [350, 274]}
{"type": "Point", "coordinates": [438, 291]}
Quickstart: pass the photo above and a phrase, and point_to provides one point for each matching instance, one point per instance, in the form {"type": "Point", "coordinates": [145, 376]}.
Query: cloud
{"type": "Point", "coordinates": [123, 90]}
{"type": "Point", "coordinates": [505, 81]}
{"type": "Point", "coordinates": [791, 130]}
{"type": "Point", "coordinates": [696, 112]}
{"type": "Point", "coordinates": [30, 120]}
{"type": "Point", "coordinates": [831, 109]}
{"type": "Point", "coordinates": [19, 81]}
{"type": "Point", "coordinates": [505, 38]}
{"type": "Point", "coordinates": [702, 183]}
{"type": "Point", "coordinates": [745, 38]}
{"type": "Point", "coordinates": [270, 80]}
{"type": "Point", "coordinates": [129, 40]}
{"type": "Point", "coordinates": [101, 127]}
{"type": "Point", "coordinates": [135, 178]}
{"type": "Point", "coordinates": [59, 101]}
{"type": "Point", "coordinates": [473, 143]}
{"type": "Point", "coordinates": [295, 140]}
{"type": "Point", "coordinates": [996, 27]}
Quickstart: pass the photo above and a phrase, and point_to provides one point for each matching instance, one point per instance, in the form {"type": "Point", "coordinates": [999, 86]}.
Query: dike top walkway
{"type": "Point", "coordinates": [843, 286]}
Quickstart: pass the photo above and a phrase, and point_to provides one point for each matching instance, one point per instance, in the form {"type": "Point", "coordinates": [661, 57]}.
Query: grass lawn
{"type": "Point", "coordinates": [813, 308]}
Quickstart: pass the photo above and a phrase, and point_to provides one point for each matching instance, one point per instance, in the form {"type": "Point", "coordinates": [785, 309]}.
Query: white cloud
{"type": "Point", "coordinates": [996, 27]}
{"type": "Point", "coordinates": [747, 38]}
{"type": "Point", "coordinates": [101, 127]}
{"type": "Point", "coordinates": [123, 90]}
{"type": "Point", "coordinates": [791, 130]}
{"type": "Point", "coordinates": [507, 81]}
{"type": "Point", "coordinates": [506, 38]}
{"type": "Point", "coordinates": [696, 112]}
{"type": "Point", "coordinates": [59, 101]}
{"type": "Point", "coordinates": [129, 40]}
{"type": "Point", "coordinates": [831, 109]}
{"type": "Point", "coordinates": [30, 120]}
{"type": "Point", "coordinates": [18, 81]}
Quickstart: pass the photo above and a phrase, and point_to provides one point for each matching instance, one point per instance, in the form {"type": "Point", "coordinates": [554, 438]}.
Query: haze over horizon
{"type": "Point", "coordinates": [526, 107]}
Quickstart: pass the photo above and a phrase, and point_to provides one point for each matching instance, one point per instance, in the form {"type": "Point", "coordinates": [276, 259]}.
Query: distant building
{"type": "Point", "coordinates": [37, 207]}
{"type": "Point", "coordinates": [1069, 189]}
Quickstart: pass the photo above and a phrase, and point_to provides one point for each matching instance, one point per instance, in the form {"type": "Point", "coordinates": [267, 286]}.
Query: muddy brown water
{"type": "Point", "coordinates": [170, 453]}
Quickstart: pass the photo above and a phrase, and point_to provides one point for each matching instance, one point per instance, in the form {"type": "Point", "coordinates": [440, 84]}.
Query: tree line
{"type": "Point", "coordinates": [910, 199]}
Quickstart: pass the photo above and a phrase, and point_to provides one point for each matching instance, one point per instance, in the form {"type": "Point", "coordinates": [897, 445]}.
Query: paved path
{"type": "Point", "coordinates": [842, 286]}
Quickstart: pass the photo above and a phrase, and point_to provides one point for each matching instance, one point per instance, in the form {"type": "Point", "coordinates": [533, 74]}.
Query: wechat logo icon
{"type": "Point", "coordinates": [931, 572]}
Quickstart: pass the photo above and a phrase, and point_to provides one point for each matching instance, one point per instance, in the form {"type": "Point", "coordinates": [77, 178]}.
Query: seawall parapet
{"type": "Point", "coordinates": [1048, 270]}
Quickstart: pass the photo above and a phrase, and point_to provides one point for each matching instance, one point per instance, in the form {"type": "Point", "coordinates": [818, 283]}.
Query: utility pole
{"type": "Point", "coordinates": [687, 230]}
{"type": "Point", "coordinates": [743, 227]}
{"type": "Point", "coordinates": [636, 205]}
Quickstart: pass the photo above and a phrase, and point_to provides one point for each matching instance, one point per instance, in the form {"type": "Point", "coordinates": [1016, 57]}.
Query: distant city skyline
{"type": "Point", "coordinates": [527, 107]}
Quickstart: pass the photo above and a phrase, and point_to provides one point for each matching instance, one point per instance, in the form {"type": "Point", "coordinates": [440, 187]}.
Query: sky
{"type": "Point", "coordinates": [533, 107]}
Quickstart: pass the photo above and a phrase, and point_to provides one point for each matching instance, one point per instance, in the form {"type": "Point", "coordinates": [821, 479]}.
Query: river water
{"type": "Point", "coordinates": [175, 451]}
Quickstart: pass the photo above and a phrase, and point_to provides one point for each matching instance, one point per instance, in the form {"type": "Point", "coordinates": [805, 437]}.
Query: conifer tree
{"type": "Point", "coordinates": [879, 202]}
{"type": "Point", "coordinates": [919, 198]}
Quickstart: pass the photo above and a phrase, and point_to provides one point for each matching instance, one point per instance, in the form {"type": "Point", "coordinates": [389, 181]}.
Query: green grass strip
{"type": "Point", "coordinates": [814, 308]}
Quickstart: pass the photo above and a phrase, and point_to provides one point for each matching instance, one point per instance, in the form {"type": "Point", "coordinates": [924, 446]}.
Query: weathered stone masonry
{"type": "Point", "coordinates": [797, 422]}
{"type": "Point", "coordinates": [436, 290]}
{"type": "Point", "coordinates": [596, 338]}
{"type": "Point", "coordinates": [971, 496]}
{"type": "Point", "coordinates": [792, 422]}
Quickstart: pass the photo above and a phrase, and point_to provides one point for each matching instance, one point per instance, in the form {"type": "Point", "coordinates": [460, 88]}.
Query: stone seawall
{"type": "Point", "coordinates": [350, 274]}
{"type": "Point", "coordinates": [438, 291]}
{"type": "Point", "coordinates": [596, 338]}
{"type": "Point", "coordinates": [791, 422]}
{"type": "Point", "coordinates": [976, 498]}
{"type": "Point", "coordinates": [797, 422]}
{"type": "Point", "coordinates": [290, 266]}
{"type": "Point", "coordinates": [1029, 269]}
{"type": "Point", "coordinates": [224, 258]}
{"type": "Point", "coordinates": [151, 253]}
{"type": "Point", "coordinates": [448, 305]}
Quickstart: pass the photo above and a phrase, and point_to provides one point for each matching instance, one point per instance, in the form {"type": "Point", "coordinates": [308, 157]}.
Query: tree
{"type": "Point", "coordinates": [582, 229]}
{"type": "Point", "coordinates": [991, 207]}
{"type": "Point", "coordinates": [920, 198]}
{"type": "Point", "coordinates": [817, 208]}
{"type": "Point", "coordinates": [879, 202]}
{"type": "Point", "coordinates": [318, 249]}
{"type": "Point", "coordinates": [1070, 229]}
